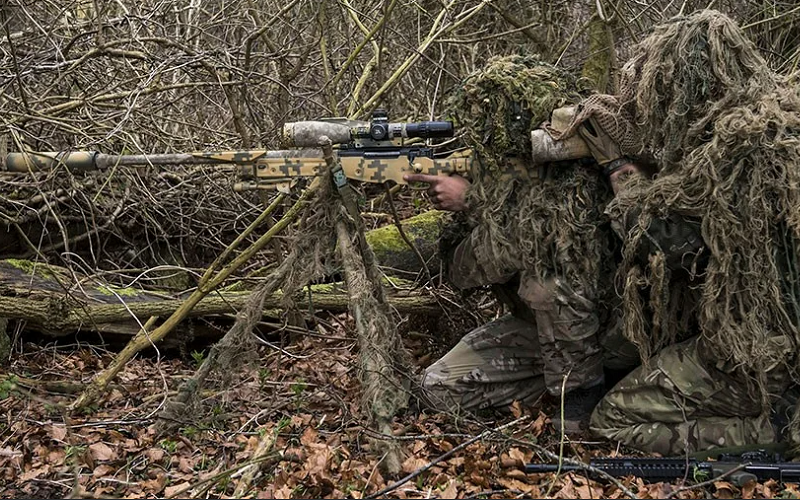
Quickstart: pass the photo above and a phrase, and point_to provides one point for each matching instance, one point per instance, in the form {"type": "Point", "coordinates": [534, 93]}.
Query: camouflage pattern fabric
{"type": "Point", "coordinates": [506, 360]}
{"type": "Point", "coordinates": [551, 333]}
{"type": "Point", "coordinates": [490, 367]}
{"type": "Point", "coordinates": [684, 404]}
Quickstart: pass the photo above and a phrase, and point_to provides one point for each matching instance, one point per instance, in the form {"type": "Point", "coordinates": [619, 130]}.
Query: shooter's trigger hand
{"type": "Point", "coordinates": [446, 193]}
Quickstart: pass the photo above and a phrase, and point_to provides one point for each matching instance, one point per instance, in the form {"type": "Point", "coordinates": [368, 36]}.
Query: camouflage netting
{"type": "Point", "coordinates": [548, 226]}
{"type": "Point", "coordinates": [724, 129]}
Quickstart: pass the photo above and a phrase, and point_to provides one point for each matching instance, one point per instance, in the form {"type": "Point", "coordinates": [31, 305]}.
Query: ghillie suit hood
{"type": "Point", "coordinates": [550, 225]}
{"type": "Point", "coordinates": [725, 131]}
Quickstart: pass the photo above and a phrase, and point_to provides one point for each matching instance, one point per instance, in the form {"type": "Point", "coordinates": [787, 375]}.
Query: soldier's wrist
{"type": "Point", "coordinates": [615, 166]}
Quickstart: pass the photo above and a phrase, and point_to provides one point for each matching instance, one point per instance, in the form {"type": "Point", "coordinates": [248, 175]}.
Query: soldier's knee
{"type": "Point", "coordinates": [435, 375]}
{"type": "Point", "coordinates": [602, 421]}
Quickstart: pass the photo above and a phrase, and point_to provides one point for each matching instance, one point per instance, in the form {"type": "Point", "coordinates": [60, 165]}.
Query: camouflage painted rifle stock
{"type": "Point", "coordinates": [377, 151]}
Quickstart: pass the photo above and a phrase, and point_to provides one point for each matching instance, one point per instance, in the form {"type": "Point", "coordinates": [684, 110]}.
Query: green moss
{"type": "Point", "coordinates": [326, 288]}
{"type": "Point", "coordinates": [115, 290]}
{"type": "Point", "coordinates": [424, 226]}
{"type": "Point", "coordinates": [30, 268]}
{"type": "Point", "coordinates": [26, 266]}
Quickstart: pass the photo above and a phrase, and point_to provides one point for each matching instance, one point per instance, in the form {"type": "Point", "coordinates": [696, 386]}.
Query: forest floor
{"type": "Point", "coordinates": [305, 397]}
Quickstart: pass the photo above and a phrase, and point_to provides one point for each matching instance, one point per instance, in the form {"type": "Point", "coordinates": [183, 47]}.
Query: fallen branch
{"type": "Point", "coordinates": [207, 284]}
{"type": "Point", "coordinates": [249, 473]}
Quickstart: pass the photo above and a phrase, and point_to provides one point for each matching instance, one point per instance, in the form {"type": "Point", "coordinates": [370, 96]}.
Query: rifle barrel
{"type": "Point", "coordinates": [93, 160]}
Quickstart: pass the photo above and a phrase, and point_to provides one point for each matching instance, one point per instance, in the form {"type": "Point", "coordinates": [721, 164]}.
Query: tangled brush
{"type": "Point", "coordinates": [124, 218]}
{"type": "Point", "coordinates": [550, 224]}
{"type": "Point", "coordinates": [724, 129]}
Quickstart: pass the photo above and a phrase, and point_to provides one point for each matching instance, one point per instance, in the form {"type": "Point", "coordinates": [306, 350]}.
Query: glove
{"type": "Point", "coordinates": [604, 149]}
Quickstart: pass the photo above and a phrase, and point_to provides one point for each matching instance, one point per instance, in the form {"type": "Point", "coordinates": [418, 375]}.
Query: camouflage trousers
{"type": "Point", "coordinates": [683, 403]}
{"type": "Point", "coordinates": [519, 358]}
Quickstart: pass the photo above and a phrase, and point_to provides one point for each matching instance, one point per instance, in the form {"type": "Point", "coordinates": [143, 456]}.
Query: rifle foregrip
{"type": "Point", "coordinates": [546, 150]}
{"type": "Point", "coordinates": [656, 469]}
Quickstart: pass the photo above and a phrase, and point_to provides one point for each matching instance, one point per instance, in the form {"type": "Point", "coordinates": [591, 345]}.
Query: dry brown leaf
{"type": "Point", "coordinates": [413, 463]}
{"type": "Point", "coordinates": [477, 477]}
{"type": "Point", "coordinates": [318, 463]}
{"type": "Point", "coordinates": [310, 436]}
{"type": "Point", "coordinates": [34, 473]}
{"type": "Point", "coordinates": [518, 474]}
{"type": "Point", "coordinates": [451, 491]}
{"type": "Point", "coordinates": [376, 479]}
{"type": "Point", "coordinates": [56, 457]}
{"type": "Point", "coordinates": [283, 492]}
{"type": "Point", "coordinates": [267, 492]}
{"type": "Point", "coordinates": [101, 451]}
{"type": "Point", "coordinates": [790, 488]}
{"type": "Point", "coordinates": [102, 470]}
{"type": "Point", "coordinates": [589, 491]}
{"type": "Point", "coordinates": [155, 454]}
{"type": "Point", "coordinates": [724, 489]}
{"type": "Point", "coordinates": [102, 491]}
{"type": "Point", "coordinates": [769, 487]}
{"type": "Point", "coordinates": [58, 432]}
{"type": "Point", "coordinates": [515, 484]}
{"type": "Point", "coordinates": [516, 409]}
{"type": "Point", "coordinates": [155, 486]}
{"type": "Point", "coordinates": [455, 462]}
{"type": "Point", "coordinates": [185, 465]}
{"type": "Point", "coordinates": [444, 445]}
{"type": "Point", "coordinates": [749, 489]}
{"type": "Point", "coordinates": [539, 424]}
{"type": "Point", "coordinates": [567, 490]}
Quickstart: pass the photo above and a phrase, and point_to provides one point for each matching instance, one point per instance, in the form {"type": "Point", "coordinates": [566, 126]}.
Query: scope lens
{"type": "Point", "coordinates": [430, 129]}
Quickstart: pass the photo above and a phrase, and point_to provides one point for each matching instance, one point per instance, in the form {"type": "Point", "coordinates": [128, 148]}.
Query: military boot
{"type": "Point", "coordinates": [578, 406]}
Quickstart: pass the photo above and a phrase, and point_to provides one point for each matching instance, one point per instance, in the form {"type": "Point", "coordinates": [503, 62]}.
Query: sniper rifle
{"type": "Point", "coordinates": [377, 151]}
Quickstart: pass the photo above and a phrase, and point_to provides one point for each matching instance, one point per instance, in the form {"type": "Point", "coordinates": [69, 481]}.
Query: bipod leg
{"type": "Point", "coordinates": [380, 348]}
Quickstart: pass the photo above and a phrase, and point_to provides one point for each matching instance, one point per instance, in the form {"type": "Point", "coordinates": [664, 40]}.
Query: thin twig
{"type": "Point", "coordinates": [445, 456]}
{"type": "Point", "coordinates": [403, 235]}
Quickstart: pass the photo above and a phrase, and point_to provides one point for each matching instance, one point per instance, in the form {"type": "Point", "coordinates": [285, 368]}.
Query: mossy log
{"type": "Point", "coordinates": [49, 300]}
{"type": "Point", "coordinates": [393, 254]}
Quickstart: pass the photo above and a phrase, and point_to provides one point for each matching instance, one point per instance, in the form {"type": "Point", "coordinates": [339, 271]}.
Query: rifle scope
{"type": "Point", "coordinates": [307, 134]}
{"type": "Point", "coordinates": [381, 130]}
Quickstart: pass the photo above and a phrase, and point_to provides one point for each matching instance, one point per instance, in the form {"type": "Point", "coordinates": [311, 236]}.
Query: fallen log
{"type": "Point", "coordinates": [48, 299]}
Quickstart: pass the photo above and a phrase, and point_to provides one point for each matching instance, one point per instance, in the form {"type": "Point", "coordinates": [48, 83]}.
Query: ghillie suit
{"type": "Point", "coordinates": [542, 239]}
{"type": "Point", "coordinates": [548, 224]}
{"type": "Point", "coordinates": [714, 236]}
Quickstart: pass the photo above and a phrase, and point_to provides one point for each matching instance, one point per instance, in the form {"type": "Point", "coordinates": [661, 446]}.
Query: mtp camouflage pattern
{"type": "Point", "coordinates": [684, 404]}
{"type": "Point", "coordinates": [551, 333]}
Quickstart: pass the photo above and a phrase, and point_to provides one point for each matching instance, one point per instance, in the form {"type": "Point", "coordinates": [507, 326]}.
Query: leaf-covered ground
{"type": "Point", "coordinates": [304, 401]}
